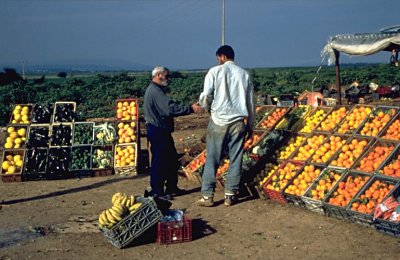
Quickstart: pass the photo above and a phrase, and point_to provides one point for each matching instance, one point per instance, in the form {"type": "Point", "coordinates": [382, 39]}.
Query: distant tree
{"type": "Point", "coordinates": [9, 76]}
{"type": "Point", "coordinates": [40, 80]}
{"type": "Point", "coordinates": [62, 74]}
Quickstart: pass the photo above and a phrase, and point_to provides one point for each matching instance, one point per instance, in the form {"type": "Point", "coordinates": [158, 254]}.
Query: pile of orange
{"type": "Point", "coordinates": [309, 147]}
{"type": "Point", "coordinates": [251, 141]}
{"type": "Point", "coordinates": [346, 190]}
{"type": "Point", "coordinates": [350, 153]}
{"type": "Point", "coordinates": [393, 132]}
{"type": "Point", "coordinates": [372, 197]}
{"type": "Point", "coordinates": [353, 121]}
{"type": "Point", "coordinates": [199, 161]}
{"type": "Point", "coordinates": [126, 132]}
{"type": "Point", "coordinates": [377, 121]}
{"type": "Point", "coordinates": [325, 151]}
{"type": "Point", "coordinates": [300, 184]}
{"type": "Point", "coordinates": [333, 119]}
{"type": "Point", "coordinates": [286, 151]}
{"type": "Point", "coordinates": [324, 184]}
{"type": "Point", "coordinates": [282, 176]}
{"type": "Point", "coordinates": [272, 119]}
{"type": "Point", "coordinates": [313, 120]}
{"type": "Point", "coordinates": [392, 169]}
{"type": "Point", "coordinates": [223, 168]}
{"type": "Point", "coordinates": [127, 110]}
{"type": "Point", "coordinates": [375, 158]}
{"type": "Point", "coordinates": [125, 156]}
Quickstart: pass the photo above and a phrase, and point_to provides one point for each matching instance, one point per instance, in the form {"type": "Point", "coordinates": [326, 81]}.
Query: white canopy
{"type": "Point", "coordinates": [361, 44]}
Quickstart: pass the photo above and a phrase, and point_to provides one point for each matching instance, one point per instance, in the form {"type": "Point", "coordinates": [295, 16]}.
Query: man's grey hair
{"type": "Point", "coordinates": [158, 70]}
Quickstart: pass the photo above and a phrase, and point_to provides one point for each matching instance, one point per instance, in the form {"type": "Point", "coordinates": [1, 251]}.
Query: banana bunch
{"type": "Point", "coordinates": [109, 217]}
{"type": "Point", "coordinates": [122, 205]}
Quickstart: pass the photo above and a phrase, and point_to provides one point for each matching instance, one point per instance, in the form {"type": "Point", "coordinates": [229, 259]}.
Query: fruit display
{"type": "Point", "coordinates": [261, 112]}
{"type": "Point", "coordinates": [64, 112]}
{"type": "Point", "coordinates": [127, 132]}
{"type": "Point", "coordinates": [58, 160]}
{"type": "Point", "coordinates": [122, 206]}
{"type": "Point", "coordinates": [332, 119]}
{"type": "Point", "coordinates": [61, 135]}
{"type": "Point", "coordinates": [12, 162]}
{"type": "Point", "coordinates": [346, 189]}
{"type": "Point", "coordinates": [374, 157]}
{"type": "Point", "coordinates": [328, 149]}
{"type": "Point", "coordinates": [81, 158]}
{"type": "Point", "coordinates": [16, 137]}
{"type": "Point", "coordinates": [39, 136]}
{"type": "Point", "coordinates": [250, 142]}
{"type": "Point", "coordinates": [377, 120]}
{"type": "Point", "coordinates": [290, 119]}
{"type": "Point", "coordinates": [308, 147]}
{"type": "Point", "coordinates": [272, 118]}
{"type": "Point", "coordinates": [350, 152]}
{"type": "Point", "coordinates": [223, 168]}
{"type": "Point", "coordinates": [294, 142]}
{"type": "Point", "coordinates": [35, 160]}
{"type": "Point", "coordinates": [42, 113]}
{"type": "Point", "coordinates": [104, 134]}
{"type": "Point", "coordinates": [282, 176]}
{"type": "Point", "coordinates": [269, 169]}
{"type": "Point", "coordinates": [197, 162]}
{"type": "Point", "coordinates": [300, 184]}
{"type": "Point", "coordinates": [371, 196]}
{"type": "Point", "coordinates": [102, 157]}
{"type": "Point", "coordinates": [83, 133]}
{"type": "Point", "coordinates": [127, 110]}
{"type": "Point", "coordinates": [125, 155]}
{"type": "Point", "coordinates": [324, 184]}
{"type": "Point", "coordinates": [392, 166]}
{"type": "Point", "coordinates": [314, 119]}
{"type": "Point", "coordinates": [21, 114]}
{"type": "Point", "coordinates": [393, 130]}
{"type": "Point", "coordinates": [354, 119]}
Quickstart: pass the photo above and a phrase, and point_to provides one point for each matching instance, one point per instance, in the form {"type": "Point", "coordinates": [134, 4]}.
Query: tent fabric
{"type": "Point", "coordinates": [361, 44]}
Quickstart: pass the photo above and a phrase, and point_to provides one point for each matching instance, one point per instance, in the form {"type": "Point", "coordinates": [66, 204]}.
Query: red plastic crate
{"type": "Point", "coordinates": [173, 232]}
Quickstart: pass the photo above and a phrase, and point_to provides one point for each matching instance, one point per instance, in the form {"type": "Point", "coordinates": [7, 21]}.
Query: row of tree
{"type": "Point", "coordinates": [96, 94]}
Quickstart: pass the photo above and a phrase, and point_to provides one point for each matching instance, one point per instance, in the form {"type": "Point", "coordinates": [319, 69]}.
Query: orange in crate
{"type": "Point", "coordinates": [300, 184]}
{"type": "Point", "coordinates": [325, 183]}
{"type": "Point", "coordinates": [349, 153]}
{"type": "Point", "coordinates": [353, 121]}
{"type": "Point", "coordinates": [371, 197]}
{"type": "Point", "coordinates": [346, 190]}
{"type": "Point", "coordinates": [375, 158]}
{"type": "Point", "coordinates": [282, 176]}
{"type": "Point", "coordinates": [271, 120]}
{"type": "Point", "coordinates": [377, 121]}
{"type": "Point", "coordinates": [392, 169]}
{"type": "Point", "coordinates": [127, 109]}
{"type": "Point", "coordinates": [333, 119]}
{"type": "Point", "coordinates": [326, 150]}
{"type": "Point", "coordinates": [308, 147]}
{"type": "Point", "coordinates": [393, 132]}
{"type": "Point", "coordinates": [125, 155]}
{"type": "Point", "coordinates": [127, 132]}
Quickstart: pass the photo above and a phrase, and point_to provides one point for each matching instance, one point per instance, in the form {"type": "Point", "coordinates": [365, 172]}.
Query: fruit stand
{"type": "Point", "coordinates": [44, 141]}
{"type": "Point", "coordinates": [342, 161]}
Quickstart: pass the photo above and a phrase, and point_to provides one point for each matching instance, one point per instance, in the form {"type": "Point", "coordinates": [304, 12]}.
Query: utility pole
{"type": "Point", "coordinates": [223, 23]}
{"type": "Point", "coordinates": [23, 69]}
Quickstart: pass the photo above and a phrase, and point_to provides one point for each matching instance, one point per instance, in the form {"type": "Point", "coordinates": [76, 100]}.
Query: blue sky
{"type": "Point", "coordinates": [184, 34]}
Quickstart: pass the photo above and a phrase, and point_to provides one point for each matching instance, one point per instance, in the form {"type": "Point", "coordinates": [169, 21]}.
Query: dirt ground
{"type": "Point", "coordinates": [57, 220]}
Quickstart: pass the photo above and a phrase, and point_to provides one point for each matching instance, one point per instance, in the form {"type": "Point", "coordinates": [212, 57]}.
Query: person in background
{"type": "Point", "coordinates": [228, 95]}
{"type": "Point", "coordinates": [159, 113]}
{"type": "Point", "coordinates": [394, 58]}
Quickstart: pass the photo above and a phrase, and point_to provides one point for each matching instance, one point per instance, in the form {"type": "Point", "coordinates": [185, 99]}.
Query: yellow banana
{"type": "Point", "coordinates": [103, 219]}
{"type": "Point", "coordinates": [123, 200]}
{"type": "Point", "coordinates": [119, 208]}
{"type": "Point", "coordinates": [132, 200]}
{"type": "Point", "coordinates": [134, 207]}
{"type": "Point", "coordinates": [110, 217]}
{"type": "Point", "coordinates": [115, 214]}
{"type": "Point", "coordinates": [116, 197]}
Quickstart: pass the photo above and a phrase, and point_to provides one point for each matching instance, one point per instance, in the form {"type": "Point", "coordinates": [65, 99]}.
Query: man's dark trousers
{"type": "Point", "coordinates": [164, 160]}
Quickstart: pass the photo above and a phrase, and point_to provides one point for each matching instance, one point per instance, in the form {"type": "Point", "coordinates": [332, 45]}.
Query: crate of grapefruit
{"type": "Point", "coordinates": [16, 136]}
{"type": "Point", "coordinates": [127, 109]}
{"type": "Point", "coordinates": [11, 165]}
{"type": "Point", "coordinates": [125, 158]}
{"type": "Point", "coordinates": [377, 120]}
{"type": "Point", "coordinates": [21, 114]}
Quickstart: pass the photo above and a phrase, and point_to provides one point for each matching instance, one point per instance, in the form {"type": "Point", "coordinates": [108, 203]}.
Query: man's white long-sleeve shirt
{"type": "Point", "coordinates": [228, 94]}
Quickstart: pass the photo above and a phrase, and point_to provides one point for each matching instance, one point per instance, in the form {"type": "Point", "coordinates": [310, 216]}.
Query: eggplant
{"type": "Point", "coordinates": [38, 137]}
{"type": "Point", "coordinates": [61, 135]}
{"type": "Point", "coordinates": [42, 113]}
{"type": "Point", "coordinates": [64, 112]}
{"type": "Point", "coordinates": [58, 160]}
{"type": "Point", "coordinates": [36, 160]}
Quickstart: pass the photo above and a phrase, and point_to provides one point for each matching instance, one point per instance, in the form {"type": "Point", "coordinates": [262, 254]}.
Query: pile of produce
{"type": "Point", "coordinates": [16, 137]}
{"type": "Point", "coordinates": [61, 135]}
{"type": "Point", "coordinates": [102, 158]}
{"type": "Point", "coordinates": [12, 163]}
{"type": "Point", "coordinates": [21, 114]}
{"type": "Point", "coordinates": [39, 136]}
{"type": "Point", "coordinates": [127, 132]}
{"type": "Point", "coordinates": [127, 110]}
{"type": "Point", "coordinates": [104, 134]}
{"type": "Point", "coordinates": [42, 113]}
{"type": "Point", "coordinates": [125, 155]}
{"type": "Point", "coordinates": [58, 160]}
{"type": "Point", "coordinates": [81, 158]}
{"type": "Point", "coordinates": [64, 112]}
{"type": "Point", "coordinates": [83, 133]}
{"type": "Point", "coordinates": [122, 206]}
{"type": "Point", "coordinates": [36, 160]}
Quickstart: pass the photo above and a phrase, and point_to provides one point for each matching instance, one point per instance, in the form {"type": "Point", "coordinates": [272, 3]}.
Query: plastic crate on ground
{"type": "Point", "coordinates": [390, 167]}
{"type": "Point", "coordinates": [35, 164]}
{"type": "Point", "coordinates": [172, 232]}
{"type": "Point", "coordinates": [387, 226]}
{"type": "Point", "coordinates": [133, 225]}
{"type": "Point", "coordinates": [12, 165]}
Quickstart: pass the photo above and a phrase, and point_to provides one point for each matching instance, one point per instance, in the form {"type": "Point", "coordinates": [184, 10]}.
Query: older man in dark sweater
{"type": "Point", "coordinates": [159, 113]}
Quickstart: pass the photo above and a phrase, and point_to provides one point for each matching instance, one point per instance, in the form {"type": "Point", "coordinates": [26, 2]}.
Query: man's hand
{"type": "Point", "coordinates": [197, 108]}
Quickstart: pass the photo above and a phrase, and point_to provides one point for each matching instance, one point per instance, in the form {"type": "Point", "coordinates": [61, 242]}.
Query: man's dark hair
{"type": "Point", "coordinates": [227, 51]}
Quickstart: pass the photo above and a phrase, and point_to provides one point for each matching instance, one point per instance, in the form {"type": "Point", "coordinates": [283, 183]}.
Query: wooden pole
{"type": "Point", "coordinates": [338, 86]}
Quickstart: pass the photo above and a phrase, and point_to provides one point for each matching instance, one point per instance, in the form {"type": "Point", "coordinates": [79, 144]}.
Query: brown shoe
{"type": "Point", "coordinates": [205, 202]}
{"type": "Point", "coordinates": [230, 200]}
